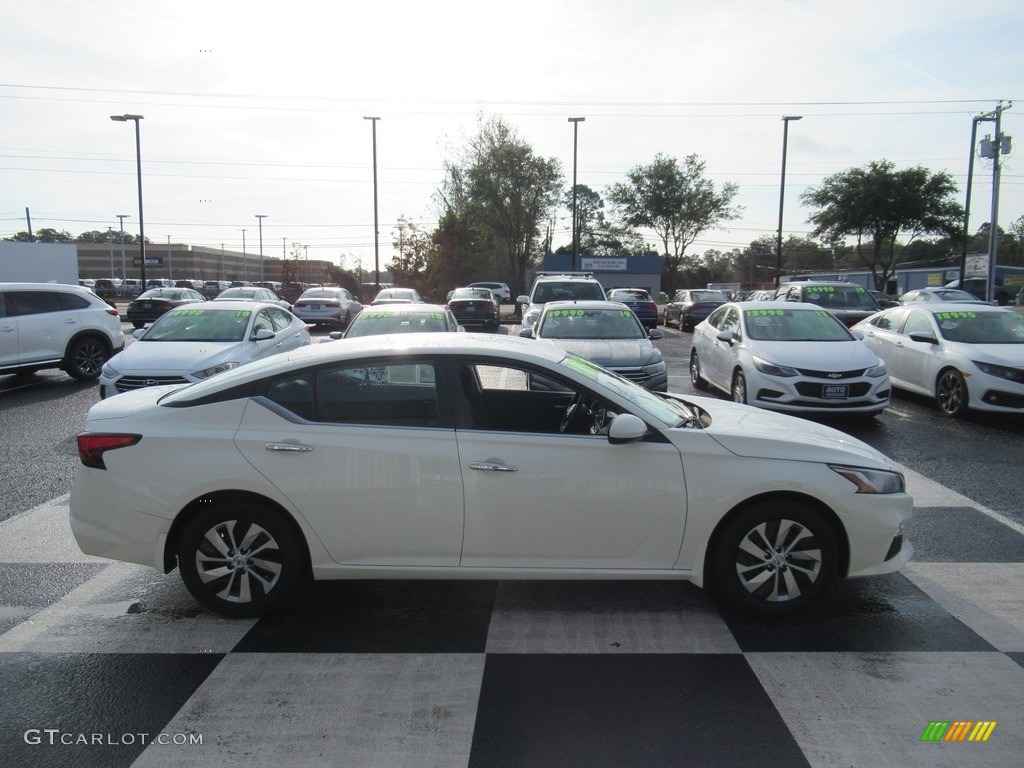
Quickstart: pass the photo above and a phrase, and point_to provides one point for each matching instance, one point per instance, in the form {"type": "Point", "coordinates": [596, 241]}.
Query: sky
{"type": "Point", "coordinates": [257, 108]}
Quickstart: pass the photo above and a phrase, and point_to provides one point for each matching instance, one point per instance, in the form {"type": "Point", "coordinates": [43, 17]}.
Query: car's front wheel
{"type": "Point", "coordinates": [85, 358]}
{"type": "Point", "coordinates": [951, 393]}
{"type": "Point", "coordinates": [739, 388]}
{"type": "Point", "coordinates": [775, 557]}
{"type": "Point", "coordinates": [240, 560]}
{"type": "Point", "coordinates": [698, 381]}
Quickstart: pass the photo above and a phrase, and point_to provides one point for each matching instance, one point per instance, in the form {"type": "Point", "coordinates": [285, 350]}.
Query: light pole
{"type": "Point", "coordinates": [782, 194]}
{"type": "Point", "coordinates": [124, 270]}
{"type": "Point", "coordinates": [376, 239]}
{"type": "Point", "coordinates": [245, 261]}
{"type": "Point", "coordinates": [260, 217]}
{"type": "Point", "coordinates": [138, 165]}
{"type": "Point", "coordinates": [575, 235]}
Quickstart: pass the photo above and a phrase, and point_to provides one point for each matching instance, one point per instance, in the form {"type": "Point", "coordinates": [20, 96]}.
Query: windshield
{"type": "Point", "coordinates": [708, 296]}
{"type": "Point", "coordinates": [794, 325]}
{"type": "Point", "coordinates": [839, 297]}
{"type": "Point", "coordinates": [372, 322]}
{"type": "Point", "coordinates": [221, 325]}
{"type": "Point", "coordinates": [671, 413]}
{"type": "Point", "coordinates": [590, 324]}
{"type": "Point", "coordinates": [981, 327]}
{"type": "Point", "coordinates": [472, 293]}
{"type": "Point", "coordinates": [567, 291]}
{"type": "Point", "coordinates": [630, 295]}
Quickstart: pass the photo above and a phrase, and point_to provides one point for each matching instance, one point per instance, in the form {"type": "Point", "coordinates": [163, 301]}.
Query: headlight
{"type": "Point", "coordinates": [1001, 371]}
{"type": "Point", "coordinates": [871, 480]}
{"type": "Point", "coordinates": [774, 370]}
{"type": "Point", "coordinates": [653, 369]}
{"type": "Point", "coordinates": [208, 372]}
{"type": "Point", "coordinates": [877, 372]}
{"type": "Point", "coordinates": [109, 371]}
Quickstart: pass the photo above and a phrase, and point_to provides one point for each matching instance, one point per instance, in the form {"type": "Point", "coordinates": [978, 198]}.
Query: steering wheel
{"type": "Point", "coordinates": [575, 410]}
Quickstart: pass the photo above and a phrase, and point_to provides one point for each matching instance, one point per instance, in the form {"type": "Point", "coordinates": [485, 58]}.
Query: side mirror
{"type": "Point", "coordinates": [655, 333]}
{"type": "Point", "coordinates": [524, 299]}
{"type": "Point", "coordinates": [138, 333]}
{"type": "Point", "coordinates": [263, 334]}
{"type": "Point", "coordinates": [526, 333]}
{"type": "Point", "coordinates": [626, 428]}
{"type": "Point", "coordinates": [924, 338]}
{"type": "Point", "coordinates": [726, 336]}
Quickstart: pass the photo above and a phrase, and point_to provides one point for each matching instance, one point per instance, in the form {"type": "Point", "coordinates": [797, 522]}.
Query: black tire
{"type": "Point", "coordinates": [739, 388]}
{"type": "Point", "coordinates": [698, 381]}
{"type": "Point", "coordinates": [775, 557]}
{"type": "Point", "coordinates": [85, 358]}
{"type": "Point", "coordinates": [951, 393]}
{"type": "Point", "coordinates": [216, 556]}
{"type": "Point", "coordinates": [136, 324]}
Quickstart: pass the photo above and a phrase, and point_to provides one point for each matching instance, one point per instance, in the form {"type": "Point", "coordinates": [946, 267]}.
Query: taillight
{"type": "Point", "coordinates": [112, 311]}
{"type": "Point", "coordinates": [92, 447]}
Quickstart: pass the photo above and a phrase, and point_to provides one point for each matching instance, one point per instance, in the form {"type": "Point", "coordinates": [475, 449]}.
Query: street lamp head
{"type": "Point", "coordinates": [577, 119]}
{"type": "Point", "coordinates": [126, 118]}
{"type": "Point", "coordinates": [787, 118]}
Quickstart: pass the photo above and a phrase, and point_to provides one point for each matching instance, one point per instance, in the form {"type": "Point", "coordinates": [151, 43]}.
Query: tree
{"type": "Point", "coordinates": [876, 205]}
{"type": "Point", "coordinates": [677, 202]}
{"type": "Point", "coordinates": [503, 192]}
{"type": "Point", "coordinates": [598, 236]}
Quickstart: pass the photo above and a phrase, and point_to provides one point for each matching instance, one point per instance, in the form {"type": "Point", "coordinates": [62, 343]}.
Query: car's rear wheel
{"type": "Point", "coordinates": [85, 358]}
{"type": "Point", "coordinates": [698, 381]}
{"type": "Point", "coordinates": [775, 557]}
{"type": "Point", "coordinates": [240, 560]}
{"type": "Point", "coordinates": [739, 388]}
{"type": "Point", "coordinates": [951, 393]}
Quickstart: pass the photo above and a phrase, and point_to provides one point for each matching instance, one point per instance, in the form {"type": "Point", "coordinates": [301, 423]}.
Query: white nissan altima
{"type": "Point", "coordinates": [475, 456]}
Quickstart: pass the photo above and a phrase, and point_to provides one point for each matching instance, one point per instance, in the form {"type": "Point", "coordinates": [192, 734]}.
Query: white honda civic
{"type": "Point", "coordinates": [479, 457]}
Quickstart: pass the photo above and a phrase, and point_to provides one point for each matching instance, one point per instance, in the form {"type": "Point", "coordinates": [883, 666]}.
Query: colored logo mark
{"type": "Point", "coordinates": [958, 730]}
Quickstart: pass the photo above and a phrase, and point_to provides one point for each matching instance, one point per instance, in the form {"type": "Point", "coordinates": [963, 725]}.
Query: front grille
{"type": "Point", "coordinates": [129, 383]}
{"type": "Point", "coordinates": [632, 373]}
{"type": "Point", "coordinates": [832, 375]}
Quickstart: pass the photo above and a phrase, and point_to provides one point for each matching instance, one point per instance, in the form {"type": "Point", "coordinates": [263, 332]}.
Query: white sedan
{"type": "Point", "coordinates": [964, 355]}
{"type": "Point", "coordinates": [456, 455]}
{"type": "Point", "coordinates": [788, 356]}
{"type": "Point", "coordinates": [200, 340]}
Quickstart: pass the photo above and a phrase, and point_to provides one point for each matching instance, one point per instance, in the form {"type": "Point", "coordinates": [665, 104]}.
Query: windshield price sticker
{"type": "Point", "coordinates": [766, 312]}
{"type": "Point", "coordinates": [956, 315]}
{"type": "Point", "coordinates": [566, 313]}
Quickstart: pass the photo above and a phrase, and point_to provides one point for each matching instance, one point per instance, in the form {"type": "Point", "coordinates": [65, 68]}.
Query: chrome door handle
{"type": "Point", "coordinates": [490, 466]}
{"type": "Point", "coordinates": [289, 447]}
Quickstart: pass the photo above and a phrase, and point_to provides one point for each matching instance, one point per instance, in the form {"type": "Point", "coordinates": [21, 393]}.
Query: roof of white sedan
{"type": "Point", "coordinates": [509, 347]}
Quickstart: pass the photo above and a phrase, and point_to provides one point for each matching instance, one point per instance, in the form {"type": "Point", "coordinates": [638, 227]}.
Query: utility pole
{"type": "Point", "coordinates": [992, 148]}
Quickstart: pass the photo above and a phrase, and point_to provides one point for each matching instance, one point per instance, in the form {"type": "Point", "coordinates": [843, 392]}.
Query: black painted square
{"type": "Point", "coordinates": [885, 613]}
{"type": "Point", "coordinates": [117, 696]}
{"type": "Point", "coordinates": [647, 711]}
{"type": "Point", "coordinates": [379, 617]}
{"type": "Point", "coordinates": [963, 535]}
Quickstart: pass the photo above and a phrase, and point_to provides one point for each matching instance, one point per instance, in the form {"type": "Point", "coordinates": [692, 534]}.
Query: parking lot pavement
{"type": "Point", "coordinates": [95, 655]}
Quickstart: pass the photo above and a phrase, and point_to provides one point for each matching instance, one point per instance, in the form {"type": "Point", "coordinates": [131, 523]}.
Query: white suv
{"type": "Point", "coordinates": [45, 325]}
{"type": "Point", "coordinates": [500, 291]}
{"type": "Point", "coordinates": [560, 286]}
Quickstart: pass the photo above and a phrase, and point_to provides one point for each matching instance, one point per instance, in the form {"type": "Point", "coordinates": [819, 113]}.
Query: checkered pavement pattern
{"type": "Point", "coordinates": [110, 664]}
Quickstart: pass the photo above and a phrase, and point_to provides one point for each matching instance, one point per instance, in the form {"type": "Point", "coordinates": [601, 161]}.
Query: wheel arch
{"type": "Point", "coordinates": [208, 501]}
{"type": "Point", "coordinates": [87, 333]}
{"type": "Point", "coordinates": [826, 512]}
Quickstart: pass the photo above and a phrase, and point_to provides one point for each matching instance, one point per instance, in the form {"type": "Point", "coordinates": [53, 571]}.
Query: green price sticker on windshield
{"type": "Point", "coordinates": [765, 312]}
{"type": "Point", "coordinates": [956, 315]}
